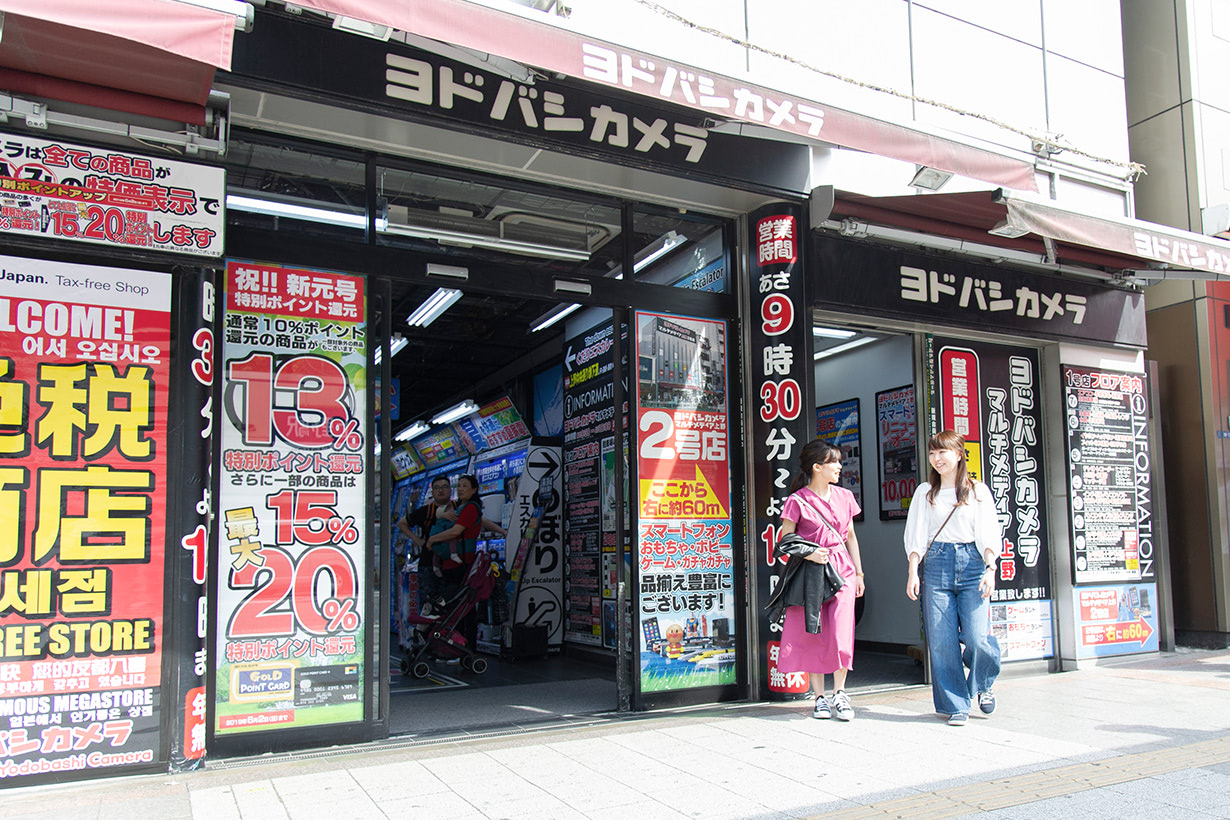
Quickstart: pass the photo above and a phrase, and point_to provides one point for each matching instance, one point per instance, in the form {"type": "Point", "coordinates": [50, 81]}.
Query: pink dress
{"type": "Point", "coordinates": [833, 647]}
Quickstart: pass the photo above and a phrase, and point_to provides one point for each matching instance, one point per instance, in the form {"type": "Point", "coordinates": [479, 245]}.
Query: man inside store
{"type": "Point", "coordinates": [433, 517]}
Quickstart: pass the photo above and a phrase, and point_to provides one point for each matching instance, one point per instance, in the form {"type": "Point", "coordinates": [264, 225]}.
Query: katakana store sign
{"type": "Point", "coordinates": [292, 501]}
{"type": "Point", "coordinates": [927, 288]}
{"type": "Point", "coordinates": [84, 376]}
{"type": "Point", "coordinates": [105, 196]}
{"type": "Point", "coordinates": [991, 395]}
{"type": "Point", "coordinates": [780, 376]}
{"type": "Point", "coordinates": [405, 80]}
{"type": "Point", "coordinates": [685, 559]}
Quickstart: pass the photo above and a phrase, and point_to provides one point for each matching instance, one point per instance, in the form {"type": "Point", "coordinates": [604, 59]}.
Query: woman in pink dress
{"type": "Point", "coordinates": [823, 513]}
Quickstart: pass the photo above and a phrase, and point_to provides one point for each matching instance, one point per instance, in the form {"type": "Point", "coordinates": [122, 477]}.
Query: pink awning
{"type": "Point", "coordinates": [558, 50]}
{"type": "Point", "coordinates": [158, 49]}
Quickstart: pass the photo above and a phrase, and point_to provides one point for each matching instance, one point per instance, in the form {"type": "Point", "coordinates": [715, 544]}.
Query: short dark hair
{"type": "Point", "coordinates": [443, 478]}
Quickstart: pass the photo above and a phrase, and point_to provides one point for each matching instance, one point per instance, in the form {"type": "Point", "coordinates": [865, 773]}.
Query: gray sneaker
{"type": "Point", "coordinates": [821, 711]}
{"type": "Point", "coordinates": [959, 719]}
{"type": "Point", "coordinates": [986, 701]}
{"type": "Point", "coordinates": [841, 706]}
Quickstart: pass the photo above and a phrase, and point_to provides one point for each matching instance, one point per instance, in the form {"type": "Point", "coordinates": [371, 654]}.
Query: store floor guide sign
{"type": "Point", "coordinates": [293, 505]}
{"type": "Point", "coordinates": [685, 564]}
{"type": "Point", "coordinates": [84, 372]}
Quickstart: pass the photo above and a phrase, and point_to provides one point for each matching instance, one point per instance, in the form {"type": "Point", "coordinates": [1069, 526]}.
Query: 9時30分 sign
{"type": "Point", "coordinates": [780, 375]}
{"type": "Point", "coordinates": [84, 372]}
{"type": "Point", "coordinates": [991, 395]}
{"type": "Point", "coordinates": [685, 563]}
{"type": "Point", "coordinates": [293, 500]}
{"type": "Point", "coordinates": [105, 196]}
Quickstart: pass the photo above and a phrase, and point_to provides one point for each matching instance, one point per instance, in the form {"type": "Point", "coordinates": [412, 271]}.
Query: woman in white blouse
{"type": "Point", "coordinates": [953, 524]}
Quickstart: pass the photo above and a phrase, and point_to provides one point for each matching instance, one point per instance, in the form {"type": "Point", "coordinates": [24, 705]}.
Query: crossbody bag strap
{"type": "Point", "coordinates": [941, 529]}
{"type": "Point", "coordinates": [820, 513]}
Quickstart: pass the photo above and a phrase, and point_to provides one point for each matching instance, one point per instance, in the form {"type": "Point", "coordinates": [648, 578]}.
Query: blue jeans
{"type": "Point", "coordinates": [954, 612]}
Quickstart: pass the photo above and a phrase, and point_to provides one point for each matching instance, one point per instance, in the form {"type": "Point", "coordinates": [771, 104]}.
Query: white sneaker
{"type": "Point", "coordinates": [841, 706]}
{"type": "Point", "coordinates": [821, 711]}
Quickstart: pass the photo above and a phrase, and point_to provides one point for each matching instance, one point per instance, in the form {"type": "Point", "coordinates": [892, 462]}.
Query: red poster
{"type": "Point", "coordinates": [84, 372]}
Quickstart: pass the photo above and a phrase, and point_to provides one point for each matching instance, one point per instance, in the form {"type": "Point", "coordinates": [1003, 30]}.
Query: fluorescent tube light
{"type": "Point", "coordinates": [433, 306]}
{"type": "Point", "coordinates": [395, 346]}
{"type": "Point", "coordinates": [657, 249]}
{"type": "Point", "coordinates": [552, 316]}
{"type": "Point", "coordinates": [416, 429]}
{"type": "Point", "coordinates": [491, 242]}
{"type": "Point", "coordinates": [455, 412]}
{"type": "Point", "coordinates": [310, 213]}
{"type": "Point", "coordinates": [832, 333]}
{"type": "Point", "coordinates": [843, 348]}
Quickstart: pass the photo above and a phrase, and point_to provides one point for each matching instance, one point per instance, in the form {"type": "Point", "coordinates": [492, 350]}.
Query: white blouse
{"type": "Point", "coordinates": [974, 522]}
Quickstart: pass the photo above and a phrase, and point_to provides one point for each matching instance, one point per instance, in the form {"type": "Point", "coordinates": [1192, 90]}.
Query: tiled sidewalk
{"type": "Point", "coordinates": [1136, 738]}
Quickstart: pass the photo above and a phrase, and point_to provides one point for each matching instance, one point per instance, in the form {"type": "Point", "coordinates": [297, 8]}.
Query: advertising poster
{"type": "Point", "coordinates": [84, 379]}
{"type": "Point", "coordinates": [441, 445]}
{"type": "Point", "coordinates": [107, 196]}
{"type": "Point", "coordinates": [293, 500]}
{"type": "Point", "coordinates": [897, 443]}
{"type": "Point", "coordinates": [494, 425]}
{"type": "Point", "coordinates": [685, 559]}
{"type": "Point", "coordinates": [990, 394]}
{"type": "Point", "coordinates": [1110, 480]}
{"type": "Point", "coordinates": [1116, 620]}
{"type": "Point", "coordinates": [838, 424]}
{"type": "Point", "coordinates": [589, 421]}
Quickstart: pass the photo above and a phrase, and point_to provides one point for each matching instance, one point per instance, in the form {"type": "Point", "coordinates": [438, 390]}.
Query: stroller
{"type": "Point", "coordinates": [441, 640]}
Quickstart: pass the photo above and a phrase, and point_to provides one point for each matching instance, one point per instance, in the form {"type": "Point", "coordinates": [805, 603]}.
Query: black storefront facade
{"type": "Point", "coordinates": [288, 305]}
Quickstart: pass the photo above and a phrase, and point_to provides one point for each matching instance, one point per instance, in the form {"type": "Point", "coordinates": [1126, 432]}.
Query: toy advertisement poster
{"type": "Point", "coordinates": [293, 500]}
{"type": "Point", "coordinates": [684, 552]}
{"type": "Point", "coordinates": [84, 375]}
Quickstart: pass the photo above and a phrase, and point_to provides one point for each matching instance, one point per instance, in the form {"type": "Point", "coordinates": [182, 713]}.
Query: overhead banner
{"type": "Point", "coordinates": [991, 395]}
{"type": "Point", "coordinates": [84, 382]}
{"type": "Point", "coordinates": [292, 500]}
{"type": "Point", "coordinates": [105, 196]}
{"type": "Point", "coordinates": [685, 554]}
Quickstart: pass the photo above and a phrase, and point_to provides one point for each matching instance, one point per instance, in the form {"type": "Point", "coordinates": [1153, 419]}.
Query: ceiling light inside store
{"type": "Point", "coordinates": [433, 306]}
{"type": "Point", "coordinates": [395, 346]}
{"type": "Point", "coordinates": [455, 412]}
{"type": "Point", "coordinates": [416, 429]}
{"type": "Point", "coordinates": [296, 210]}
{"type": "Point", "coordinates": [461, 229]}
{"type": "Point", "coordinates": [832, 333]}
{"type": "Point", "coordinates": [844, 348]}
{"type": "Point", "coordinates": [552, 316]}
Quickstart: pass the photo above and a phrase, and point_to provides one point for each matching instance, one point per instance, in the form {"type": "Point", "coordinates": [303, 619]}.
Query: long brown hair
{"type": "Point", "coordinates": [948, 440]}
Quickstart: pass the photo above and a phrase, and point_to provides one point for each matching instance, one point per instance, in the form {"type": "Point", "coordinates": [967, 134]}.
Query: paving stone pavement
{"type": "Point", "coordinates": [1145, 737]}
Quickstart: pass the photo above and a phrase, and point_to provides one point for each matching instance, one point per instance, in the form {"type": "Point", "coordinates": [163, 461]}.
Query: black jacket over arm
{"type": "Point", "coordinates": [804, 583]}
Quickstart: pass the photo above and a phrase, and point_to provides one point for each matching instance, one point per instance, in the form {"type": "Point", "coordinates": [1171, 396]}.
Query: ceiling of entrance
{"type": "Point", "coordinates": [502, 234]}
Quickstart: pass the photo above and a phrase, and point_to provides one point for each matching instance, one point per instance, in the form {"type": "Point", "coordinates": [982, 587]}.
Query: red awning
{"type": "Point", "coordinates": [555, 49]}
{"type": "Point", "coordinates": [129, 55]}
{"type": "Point", "coordinates": [1115, 244]}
